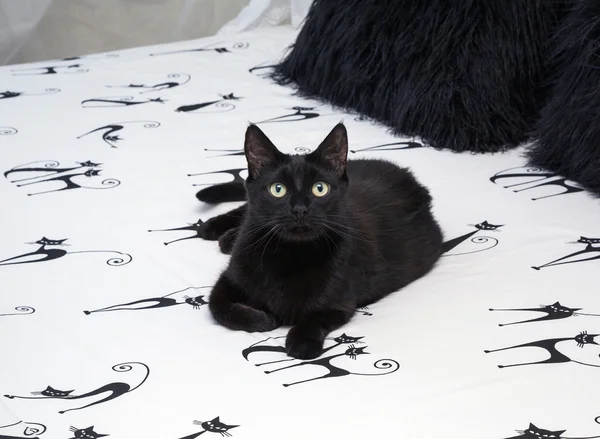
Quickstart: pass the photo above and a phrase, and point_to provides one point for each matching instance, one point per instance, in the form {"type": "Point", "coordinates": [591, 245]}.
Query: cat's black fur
{"type": "Point", "coordinates": [311, 261]}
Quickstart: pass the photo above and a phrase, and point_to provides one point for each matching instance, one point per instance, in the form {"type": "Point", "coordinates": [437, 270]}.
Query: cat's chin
{"type": "Point", "coordinates": [300, 234]}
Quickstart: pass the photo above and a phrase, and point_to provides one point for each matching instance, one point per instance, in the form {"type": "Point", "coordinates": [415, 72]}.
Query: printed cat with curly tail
{"type": "Point", "coordinates": [312, 244]}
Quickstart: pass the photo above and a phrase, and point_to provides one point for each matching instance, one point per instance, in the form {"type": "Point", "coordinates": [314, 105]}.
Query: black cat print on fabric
{"type": "Point", "coordinates": [220, 48]}
{"type": "Point", "coordinates": [556, 311]}
{"type": "Point", "coordinates": [551, 346]}
{"type": "Point", "coordinates": [18, 311]}
{"type": "Point", "coordinates": [213, 426]}
{"type": "Point", "coordinates": [394, 146]}
{"type": "Point", "coordinates": [240, 152]}
{"type": "Point", "coordinates": [48, 250]}
{"type": "Point", "coordinates": [335, 364]}
{"type": "Point", "coordinates": [92, 57]}
{"type": "Point", "coordinates": [526, 178]}
{"type": "Point", "coordinates": [534, 432]}
{"type": "Point", "coordinates": [263, 70]}
{"type": "Point", "coordinates": [590, 252]}
{"type": "Point", "coordinates": [8, 131]}
{"type": "Point", "coordinates": [15, 94]}
{"type": "Point", "coordinates": [85, 433]}
{"type": "Point", "coordinates": [118, 101]}
{"type": "Point", "coordinates": [238, 174]}
{"type": "Point", "coordinates": [215, 106]}
{"type": "Point", "coordinates": [490, 242]}
{"type": "Point", "coordinates": [109, 135]}
{"type": "Point", "coordinates": [50, 70]}
{"type": "Point", "coordinates": [107, 392]}
{"type": "Point", "coordinates": [298, 114]}
{"type": "Point", "coordinates": [177, 80]}
{"type": "Point", "coordinates": [196, 227]}
{"type": "Point", "coordinates": [188, 296]}
{"type": "Point", "coordinates": [48, 173]}
{"type": "Point", "coordinates": [22, 430]}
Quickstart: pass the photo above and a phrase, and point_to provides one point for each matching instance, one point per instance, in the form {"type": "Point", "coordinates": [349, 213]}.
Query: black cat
{"type": "Point", "coordinates": [220, 49]}
{"type": "Point", "coordinates": [160, 86]}
{"type": "Point", "coordinates": [109, 130]}
{"type": "Point", "coordinates": [43, 254]}
{"type": "Point", "coordinates": [556, 311]}
{"type": "Point", "coordinates": [118, 101]}
{"type": "Point", "coordinates": [533, 432]}
{"type": "Point", "coordinates": [8, 131]}
{"type": "Point", "coordinates": [550, 345]}
{"type": "Point", "coordinates": [484, 226]}
{"type": "Point", "coordinates": [220, 103]}
{"type": "Point", "coordinates": [15, 94]}
{"type": "Point", "coordinates": [20, 311]}
{"type": "Point", "coordinates": [299, 114]}
{"type": "Point", "coordinates": [50, 70]}
{"type": "Point", "coordinates": [333, 371]}
{"type": "Point", "coordinates": [313, 243]}
{"type": "Point", "coordinates": [85, 433]}
{"type": "Point", "coordinates": [533, 176]}
{"type": "Point", "coordinates": [259, 347]}
{"type": "Point", "coordinates": [395, 146]}
{"type": "Point", "coordinates": [213, 426]}
{"type": "Point", "coordinates": [115, 390]}
{"type": "Point", "coordinates": [30, 430]}
{"type": "Point", "coordinates": [181, 298]}
{"type": "Point", "coordinates": [574, 258]}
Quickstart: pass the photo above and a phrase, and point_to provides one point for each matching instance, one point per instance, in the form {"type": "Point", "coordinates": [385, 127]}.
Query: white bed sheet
{"type": "Point", "coordinates": [93, 161]}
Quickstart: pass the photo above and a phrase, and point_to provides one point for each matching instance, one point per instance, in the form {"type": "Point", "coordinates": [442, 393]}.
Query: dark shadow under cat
{"type": "Point", "coordinates": [114, 390]}
{"type": "Point", "coordinates": [318, 238]}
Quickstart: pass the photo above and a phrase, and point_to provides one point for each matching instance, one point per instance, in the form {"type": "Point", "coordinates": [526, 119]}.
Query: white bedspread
{"type": "Point", "coordinates": [101, 152]}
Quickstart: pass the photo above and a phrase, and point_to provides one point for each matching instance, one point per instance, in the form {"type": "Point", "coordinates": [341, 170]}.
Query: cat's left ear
{"type": "Point", "coordinates": [333, 151]}
{"type": "Point", "coordinates": [260, 152]}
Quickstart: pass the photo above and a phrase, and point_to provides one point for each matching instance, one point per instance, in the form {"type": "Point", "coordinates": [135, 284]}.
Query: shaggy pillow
{"type": "Point", "coordinates": [568, 131]}
{"type": "Point", "coordinates": [460, 74]}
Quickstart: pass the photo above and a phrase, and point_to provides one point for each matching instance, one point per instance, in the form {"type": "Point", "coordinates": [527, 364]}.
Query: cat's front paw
{"type": "Point", "coordinates": [303, 344]}
{"type": "Point", "coordinates": [208, 230]}
{"type": "Point", "coordinates": [227, 240]}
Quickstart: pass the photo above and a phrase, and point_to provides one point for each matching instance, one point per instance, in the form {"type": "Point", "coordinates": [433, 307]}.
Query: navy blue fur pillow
{"type": "Point", "coordinates": [462, 74]}
{"type": "Point", "coordinates": [568, 132]}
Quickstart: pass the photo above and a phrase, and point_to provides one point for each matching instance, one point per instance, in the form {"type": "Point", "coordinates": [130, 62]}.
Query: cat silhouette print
{"type": "Point", "coordinates": [556, 311]}
{"type": "Point", "coordinates": [50, 249]}
{"type": "Point", "coordinates": [590, 252]}
{"type": "Point", "coordinates": [100, 395]}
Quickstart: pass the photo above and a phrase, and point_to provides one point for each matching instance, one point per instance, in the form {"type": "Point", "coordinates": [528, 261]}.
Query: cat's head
{"type": "Point", "coordinates": [584, 240]}
{"type": "Point", "coordinates": [216, 426]}
{"type": "Point", "coordinates": [487, 226]}
{"type": "Point", "coordinates": [539, 433]}
{"type": "Point", "coordinates": [346, 339]}
{"type": "Point", "coordinates": [89, 164]}
{"type": "Point", "coordinates": [92, 172]}
{"type": "Point", "coordinates": [584, 338]}
{"type": "Point", "coordinates": [354, 352]}
{"type": "Point", "coordinates": [299, 197]}
{"type": "Point", "coordinates": [50, 391]}
{"type": "Point", "coordinates": [46, 241]}
{"type": "Point", "coordinates": [86, 433]}
{"type": "Point", "coordinates": [556, 307]}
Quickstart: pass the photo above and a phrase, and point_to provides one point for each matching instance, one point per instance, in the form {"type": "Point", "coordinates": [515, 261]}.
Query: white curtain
{"type": "Point", "coordinates": [19, 19]}
{"type": "Point", "coordinates": [268, 13]}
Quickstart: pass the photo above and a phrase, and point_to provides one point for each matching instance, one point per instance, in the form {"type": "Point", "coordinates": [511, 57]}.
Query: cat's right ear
{"type": "Point", "coordinates": [259, 150]}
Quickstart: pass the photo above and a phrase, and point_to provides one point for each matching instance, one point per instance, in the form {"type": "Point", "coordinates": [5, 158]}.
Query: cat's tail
{"type": "Point", "coordinates": [223, 193]}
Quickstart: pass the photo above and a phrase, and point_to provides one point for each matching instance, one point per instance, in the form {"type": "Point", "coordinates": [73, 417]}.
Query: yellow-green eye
{"type": "Point", "coordinates": [278, 190]}
{"type": "Point", "coordinates": [320, 189]}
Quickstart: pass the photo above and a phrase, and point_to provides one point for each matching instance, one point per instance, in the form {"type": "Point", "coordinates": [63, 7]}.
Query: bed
{"type": "Point", "coordinates": [104, 328]}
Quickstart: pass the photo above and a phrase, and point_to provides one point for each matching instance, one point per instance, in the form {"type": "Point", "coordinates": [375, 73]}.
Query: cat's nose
{"type": "Point", "coordinates": [300, 212]}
